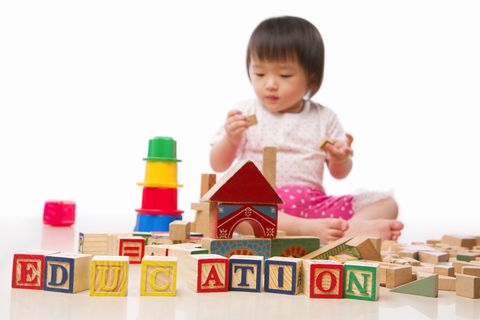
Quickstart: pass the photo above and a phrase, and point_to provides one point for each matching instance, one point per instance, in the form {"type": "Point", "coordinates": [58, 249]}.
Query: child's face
{"type": "Point", "coordinates": [280, 86]}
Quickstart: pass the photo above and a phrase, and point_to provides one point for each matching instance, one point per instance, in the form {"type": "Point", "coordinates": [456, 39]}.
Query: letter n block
{"type": "Point", "coordinates": [283, 275]}
{"type": "Point", "coordinates": [133, 247]}
{"type": "Point", "coordinates": [245, 273]}
{"type": "Point", "coordinates": [361, 280]}
{"type": "Point", "coordinates": [67, 273]}
{"type": "Point", "coordinates": [322, 279]}
{"type": "Point", "coordinates": [28, 269]}
{"type": "Point", "coordinates": [207, 273]}
{"type": "Point", "coordinates": [109, 276]}
{"type": "Point", "coordinates": [159, 276]}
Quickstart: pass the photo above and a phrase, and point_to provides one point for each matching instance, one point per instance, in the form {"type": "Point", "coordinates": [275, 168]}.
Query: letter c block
{"type": "Point", "coordinates": [109, 276]}
{"type": "Point", "coordinates": [159, 276]}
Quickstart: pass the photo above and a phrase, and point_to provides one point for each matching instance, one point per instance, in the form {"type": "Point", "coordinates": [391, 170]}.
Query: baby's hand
{"type": "Point", "coordinates": [235, 126]}
{"type": "Point", "coordinates": [340, 150]}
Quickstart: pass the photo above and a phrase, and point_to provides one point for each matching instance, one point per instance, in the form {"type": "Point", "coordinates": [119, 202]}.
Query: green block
{"type": "Point", "coordinates": [295, 247]}
{"type": "Point", "coordinates": [361, 281]}
{"type": "Point", "coordinates": [427, 287]}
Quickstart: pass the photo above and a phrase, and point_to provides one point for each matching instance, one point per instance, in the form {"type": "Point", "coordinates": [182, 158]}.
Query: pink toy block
{"type": "Point", "coordinates": [59, 213]}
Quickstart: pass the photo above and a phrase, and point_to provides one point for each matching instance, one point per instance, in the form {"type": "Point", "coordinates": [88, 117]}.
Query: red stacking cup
{"type": "Point", "coordinates": [159, 201]}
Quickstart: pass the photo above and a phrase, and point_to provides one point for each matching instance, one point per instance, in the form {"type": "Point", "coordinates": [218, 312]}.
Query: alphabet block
{"type": "Point", "coordinates": [67, 273]}
{"type": "Point", "coordinates": [109, 276]}
{"type": "Point", "coordinates": [28, 269]}
{"type": "Point", "coordinates": [245, 273]}
{"type": "Point", "coordinates": [92, 243]}
{"type": "Point", "coordinates": [159, 276]}
{"type": "Point", "coordinates": [208, 273]}
{"type": "Point", "coordinates": [322, 279]}
{"type": "Point", "coordinates": [133, 247]}
{"type": "Point", "coordinates": [282, 275]}
{"type": "Point", "coordinates": [468, 286]}
{"type": "Point", "coordinates": [183, 253]}
{"type": "Point", "coordinates": [361, 281]}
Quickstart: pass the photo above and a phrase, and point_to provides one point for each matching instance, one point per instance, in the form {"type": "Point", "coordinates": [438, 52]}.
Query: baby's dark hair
{"type": "Point", "coordinates": [286, 38]}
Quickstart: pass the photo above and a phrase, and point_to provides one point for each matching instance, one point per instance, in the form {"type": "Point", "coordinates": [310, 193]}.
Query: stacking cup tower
{"type": "Point", "coordinates": [159, 201]}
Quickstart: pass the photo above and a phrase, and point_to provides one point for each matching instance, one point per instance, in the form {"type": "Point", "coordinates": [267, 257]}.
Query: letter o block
{"type": "Point", "coordinates": [322, 279]}
{"type": "Point", "coordinates": [109, 276]}
{"type": "Point", "coordinates": [159, 276]}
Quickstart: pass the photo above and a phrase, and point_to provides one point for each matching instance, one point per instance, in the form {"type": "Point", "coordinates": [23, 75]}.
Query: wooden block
{"type": "Point", "coordinates": [294, 246]}
{"type": "Point", "coordinates": [445, 283]}
{"type": "Point", "coordinates": [281, 233]}
{"type": "Point", "coordinates": [270, 165]}
{"type": "Point", "coordinates": [471, 271]}
{"type": "Point", "coordinates": [159, 239]}
{"type": "Point", "coordinates": [468, 286]}
{"type": "Point", "coordinates": [377, 243]}
{"type": "Point", "coordinates": [201, 206]}
{"type": "Point", "coordinates": [282, 275]}
{"type": "Point", "coordinates": [109, 276]}
{"type": "Point", "coordinates": [433, 242]}
{"type": "Point", "coordinates": [398, 276]}
{"type": "Point", "coordinates": [323, 142]}
{"type": "Point", "coordinates": [67, 273]}
{"type": "Point", "coordinates": [433, 257]}
{"type": "Point", "coordinates": [361, 280]}
{"type": "Point", "coordinates": [245, 273]}
{"type": "Point", "coordinates": [343, 257]}
{"type": "Point", "coordinates": [160, 250]}
{"type": "Point", "coordinates": [448, 271]}
{"type": "Point", "coordinates": [388, 245]}
{"type": "Point", "coordinates": [183, 254]}
{"type": "Point", "coordinates": [423, 269]}
{"type": "Point", "coordinates": [159, 276]}
{"type": "Point", "coordinates": [202, 221]}
{"type": "Point", "coordinates": [92, 243]}
{"type": "Point", "coordinates": [133, 247]}
{"type": "Point", "coordinates": [427, 287]}
{"type": "Point", "coordinates": [330, 249]}
{"type": "Point", "coordinates": [179, 230]}
{"type": "Point", "coordinates": [208, 273]}
{"type": "Point", "coordinates": [253, 119]}
{"type": "Point", "coordinates": [243, 246]}
{"type": "Point", "coordinates": [144, 235]}
{"type": "Point", "coordinates": [467, 257]}
{"type": "Point", "coordinates": [29, 269]}
{"type": "Point", "coordinates": [363, 248]}
{"type": "Point", "coordinates": [458, 265]}
{"type": "Point", "coordinates": [460, 241]}
{"type": "Point", "coordinates": [322, 279]}
{"type": "Point", "coordinates": [208, 181]}
{"type": "Point", "coordinates": [112, 242]}
{"type": "Point", "coordinates": [408, 254]}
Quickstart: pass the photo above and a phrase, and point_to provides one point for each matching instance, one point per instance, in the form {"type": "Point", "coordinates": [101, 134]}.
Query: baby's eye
{"type": "Point", "coordinates": [285, 75]}
{"type": "Point", "coordinates": [259, 74]}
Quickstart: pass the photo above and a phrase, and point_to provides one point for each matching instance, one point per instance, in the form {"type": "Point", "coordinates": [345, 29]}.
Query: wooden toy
{"type": "Point", "coordinates": [59, 213]}
{"type": "Point", "coordinates": [109, 276]}
{"type": "Point", "coordinates": [324, 142]}
{"type": "Point", "coordinates": [179, 230]}
{"type": "Point", "coordinates": [243, 194]}
{"type": "Point", "coordinates": [408, 254]}
{"type": "Point", "coordinates": [377, 243]}
{"type": "Point", "coordinates": [468, 256]}
{"type": "Point", "coordinates": [92, 243]}
{"type": "Point", "coordinates": [445, 283]}
{"type": "Point", "coordinates": [183, 254]}
{"type": "Point", "coordinates": [270, 165]}
{"type": "Point", "coordinates": [294, 246]}
{"type": "Point", "coordinates": [471, 271]}
{"type": "Point", "coordinates": [282, 275]}
{"type": "Point", "coordinates": [144, 235]}
{"type": "Point", "coordinates": [243, 246]}
{"type": "Point", "coordinates": [460, 241]}
{"type": "Point", "coordinates": [442, 270]}
{"type": "Point", "coordinates": [208, 273]}
{"type": "Point", "coordinates": [157, 250]}
{"type": "Point", "coordinates": [433, 257]}
{"type": "Point", "coordinates": [208, 181]}
{"type": "Point", "coordinates": [29, 268]}
{"type": "Point", "coordinates": [427, 287]}
{"type": "Point", "coordinates": [245, 273]}
{"type": "Point", "coordinates": [202, 213]}
{"type": "Point", "coordinates": [361, 280]}
{"type": "Point", "coordinates": [133, 247]}
{"type": "Point", "coordinates": [363, 248]}
{"type": "Point", "coordinates": [322, 279]}
{"type": "Point", "coordinates": [112, 243]}
{"type": "Point", "coordinates": [67, 273]}
{"type": "Point", "coordinates": [468, 286]}
{"type": "Point", "coordinates": [159, 276]}
{"type": "Point", "coordinates": [330, 249]}
{"type": "Point", "coordinates": [157, 239]}
{"type": "Point", "coordinates": [398, 276]}
{"type": "Point", "coordinates": [252, 119]}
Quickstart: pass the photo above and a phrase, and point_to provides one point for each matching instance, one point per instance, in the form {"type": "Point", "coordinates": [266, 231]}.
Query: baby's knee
{"type": "Point", "coordinates": [391, 205]}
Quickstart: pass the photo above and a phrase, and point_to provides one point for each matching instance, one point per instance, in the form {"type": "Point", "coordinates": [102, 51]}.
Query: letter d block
{"type": "Point", "coordinates": [322, 279]}
{"type": "Point", "coordinates": [109, 276]}
{"type": "Point", "coordinates": [159, 276]}
{"type": "Point", "coordinates": [282, 275]}
{"type": "Point", "coordinates": [361, 280]}
{"type": "Point", "coordinates": [28, 269]}
{"type": "Point", "coordinates": [245, 273]}
{"type": "Point", "coordinates": [67, 273]}
{"type": "Point", "coordinates": [207, 273]}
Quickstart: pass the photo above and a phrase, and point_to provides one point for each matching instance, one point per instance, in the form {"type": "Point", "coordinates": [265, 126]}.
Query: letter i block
{"type": "Point", "coordinates": [207, 273]}
{"type": "Point", "coordinates": [245, 273]}
{"type": "Point", "coordinates": [67, 273]}
{"type": "Point", "coordinates": [133, 247]}
{"type": "Point", "coordinates": [361, 280]}
{"type": "Point", "coordinates": [322, 279]}
{"type": "Point", "coordinates": [159, 276]}
{"type": "Point", "coordinates": [283, 275]}
{"type": "Point", "coordinates": [109, 276]}
{"type": "Point", "coordinates": [28, 269]}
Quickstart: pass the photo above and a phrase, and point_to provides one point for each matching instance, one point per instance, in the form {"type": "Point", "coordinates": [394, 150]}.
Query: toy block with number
{"type": "Point", "coordinates": [295, 246]}
{"type": "Point", "coordinates": [468, 286]}
{"type": "Point", "coordinates": [460, 241]}
{"type": "Point", "coordinates": [133, 247]}
{"type": "Point", "coordinates": [92, 243]}
{"type": "Point", "coordinates": [252, 119]}
{"type": "Point", "coordinates": [361, 280]}
{"type": "Point", "coordinates": [471, 271]}
{"type": "Point", "coordinates": [159, 276]}
{"type": "Point", "coordinates": [208, 273]}
{"type": "Point", "coordinates": [179, 230]}
{"type": "Point", "coordinates": [244, 246]}
{"type": "Point", "coordinates": [330, 249]}
{"type": "Point", "coordinates": [29, 269]}
{"type": "Point", "coordinates": [59, 213]}
{"type": "Point", "coordinates": [427, 287]}
{"type": "Point", "coordinates": [283, 275]}
{"type": "Point", "coordinates": [67, 273]}
{"type": "Point", "coordinates": [398, 276]}
{"type": "Point", "coordinates": [109, 276]}
{"type": "Point", "coordinates": [467, 256]}
{"type": "Point", "coordinates": [433, 257]}
{"type": "Point", "coordinates": [322, 279]}
{"type": "Point", "coordinates": [245, 273]}
{"type": "Point", "coordinates": [363, 248]}
{"type": "Point", "coordinates": [324, 142]}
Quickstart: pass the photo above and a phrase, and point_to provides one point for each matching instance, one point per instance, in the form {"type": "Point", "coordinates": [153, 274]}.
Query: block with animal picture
{"type": "Point", "coordinates": [67, 273]}
{"type": "Point", "coordinates": [245, 273]}
{"type": "Point", "coordinates": [109, 276]}
{"type": "Point", "coordinates": [361, 280]}
{"type": "Point", "coordinates": [208, 273]}
{"type": "Point", "coordinates": [322, 279]}
{"type": "Point", "coordinates": [283, 275]}
{"type": "Point", "coordinates": [158, 276]}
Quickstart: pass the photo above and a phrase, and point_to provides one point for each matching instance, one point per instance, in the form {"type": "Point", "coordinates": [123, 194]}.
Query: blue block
{"type": "Point", "coordinates": [242, 266]}
{"type": "Point", "coordinates": [151, 222]}
{"type": "Point", "coordinates": [277, 283]}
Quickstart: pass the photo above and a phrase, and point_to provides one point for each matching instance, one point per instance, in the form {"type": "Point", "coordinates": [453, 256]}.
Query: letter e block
{"type": "Point", "coordinates": [322, 279]}
{"type": "Point", "coordinates": [67, 273]}
{"type": "Point", "coordinates": [133, 247]}
{"type": "Point", "coordinates": [159, 276]}
{"type": "Point", "coordinates": [245, 273]}
{"type": "Point", "coordinates": [28, 269]}
{"type": "Point", "coordinates": [109, 276]}
{"type": "Point", "coordinates": [207, 273]}
{"type": "Point", "coordinates": [361, 280]}
{"type": "Point", "coordinates": [282, 275]}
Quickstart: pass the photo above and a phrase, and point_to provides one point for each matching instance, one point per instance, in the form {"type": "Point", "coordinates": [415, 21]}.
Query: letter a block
{"type": "Point", "coordinates": [133, 247]}
{"type": "Point", "coordinates": [282, 275]}
{"type": "Point", "coordinates": [109, 276]}
{"type": "Point", "coordinates": [361, 280]}
{"type": "Point", "coordinates": [245, 273]}
{"type": "Point", "coordinates": [322, 279]}
{"type": "Point", "coordinates": [159, 276]}
{"type": "Point", "coordinates": [207, 273]}
{"type": "Point", "coordinates": [67, 273]}
{"type": "Point", "coordinates": [28, 269]}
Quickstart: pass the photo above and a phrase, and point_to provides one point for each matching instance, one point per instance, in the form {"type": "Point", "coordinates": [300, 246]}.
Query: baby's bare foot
{"type": "Point", "coordinates": [328, 229]}
{"type": "Point", "coordinates": [384, 228]}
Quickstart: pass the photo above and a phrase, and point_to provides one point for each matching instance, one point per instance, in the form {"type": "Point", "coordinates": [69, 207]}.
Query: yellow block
{"type": "Point", "coordinates": [159, 276]}
{"type": "Point", "coordinates": [109, 276]}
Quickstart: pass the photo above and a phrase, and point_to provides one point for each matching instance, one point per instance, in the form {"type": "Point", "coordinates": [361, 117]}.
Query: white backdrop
{"type": "Point", "coordinates": [84, 85]}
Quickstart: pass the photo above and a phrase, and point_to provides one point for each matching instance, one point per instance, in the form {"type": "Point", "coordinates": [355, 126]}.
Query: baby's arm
{"type": "Point", "coordinates": [340, 162]}
{"type": "Point", "coordinates": [223, 153]}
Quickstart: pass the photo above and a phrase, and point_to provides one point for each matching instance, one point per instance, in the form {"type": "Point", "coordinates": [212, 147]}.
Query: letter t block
{"type": "Point", "coordinates": [207, 273]}
{"type": "Point", "coordinates": [245, 273]}
{"type": "Point", "coordinates": [67, 273]}
{"type": "Point", "coordinates": [361, 280]}
{"type": "Point", "coordinates": [282, 275]}
{"type": "Point", "coordinates": [322, 279]}
{"type": "Point", "coordinates": [159, 276]}
{"type": "Point", "coordinates": [28, 269]}
{"type": "Point", "coordinates": [109, 276]}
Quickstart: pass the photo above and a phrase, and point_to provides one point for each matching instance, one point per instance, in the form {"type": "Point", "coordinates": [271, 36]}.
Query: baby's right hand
{"type": "Point", "coordinates": [235, 126]}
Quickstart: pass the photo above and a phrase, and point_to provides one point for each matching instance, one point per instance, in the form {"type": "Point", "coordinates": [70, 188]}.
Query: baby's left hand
{"type": "Point", "coordinates": [340, 150]}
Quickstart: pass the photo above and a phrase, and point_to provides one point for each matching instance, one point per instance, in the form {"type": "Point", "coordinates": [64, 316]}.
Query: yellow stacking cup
{"type": "Point", "coordinates": [160, 174]}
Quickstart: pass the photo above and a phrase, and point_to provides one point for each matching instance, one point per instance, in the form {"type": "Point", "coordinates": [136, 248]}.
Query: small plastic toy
{"type": "Point", "coordinates": [59, 213]}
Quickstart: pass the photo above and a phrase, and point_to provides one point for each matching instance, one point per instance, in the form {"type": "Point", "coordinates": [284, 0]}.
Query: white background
{"type": "Point", "coordinates": [84, 85]}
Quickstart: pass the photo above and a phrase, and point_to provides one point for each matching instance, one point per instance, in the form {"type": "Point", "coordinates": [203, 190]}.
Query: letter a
{"type": "Point", "coordinates": [212, 276]}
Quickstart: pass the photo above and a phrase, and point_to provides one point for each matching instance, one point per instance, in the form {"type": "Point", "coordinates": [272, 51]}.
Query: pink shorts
{"type": "Point", "coordinates": [306, 202]}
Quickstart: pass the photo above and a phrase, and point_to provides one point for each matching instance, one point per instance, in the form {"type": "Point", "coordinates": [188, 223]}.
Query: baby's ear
{"type": "Point", "coordinates": [313, 82]}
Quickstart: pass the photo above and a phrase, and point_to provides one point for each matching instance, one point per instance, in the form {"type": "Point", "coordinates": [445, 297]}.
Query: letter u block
{"type": "Point", "coordinates": [67, 273]}
{"type": "Point", "coordinates": [361, 280]}
{"type": "Point", "coordinates": [133, 247]}
{"type": "Point", "coordinates": [109, 276]}
{"type": "Point", "coordinates": [322, 279]}
{"type": "Point", "coordinates": [207, 273]}
{"type": "Point", "coordinates": [28, 269]}
{"type": "Point", "coordinates": [245, 273]}
{"type": "Point", "coordinates": [159, 276]}
{"type": "Point", "coordinates": [283, 275]}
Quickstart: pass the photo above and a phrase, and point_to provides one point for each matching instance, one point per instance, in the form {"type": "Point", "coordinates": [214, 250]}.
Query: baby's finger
{"type": "Point", "coordinates": [232, 113]}
{"type": "Point", "coordinates": [349, 138]}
